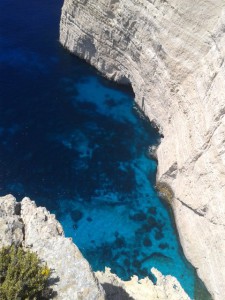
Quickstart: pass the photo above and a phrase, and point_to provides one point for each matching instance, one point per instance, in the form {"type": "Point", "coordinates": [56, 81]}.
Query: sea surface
{"type": "Point", "coordinates": [77, 144]}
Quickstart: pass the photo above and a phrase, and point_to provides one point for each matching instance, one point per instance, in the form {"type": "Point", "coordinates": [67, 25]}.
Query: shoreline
{"type": "Point", "coordinates": [173, 82]}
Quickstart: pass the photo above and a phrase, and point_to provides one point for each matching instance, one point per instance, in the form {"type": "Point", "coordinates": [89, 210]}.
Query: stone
{"type": "Point", "coordinates": [172, 53]}
{"type": "Point", "coordinates": [11, 226]}
{"type": "Point", "coordinates": [166, 287]}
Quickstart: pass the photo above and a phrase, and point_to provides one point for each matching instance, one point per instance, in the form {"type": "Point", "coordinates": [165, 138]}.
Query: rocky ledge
{"type": "Point", "coordinates": [172, 53]}
{"type": "Point", "coordinates": [34, 228]}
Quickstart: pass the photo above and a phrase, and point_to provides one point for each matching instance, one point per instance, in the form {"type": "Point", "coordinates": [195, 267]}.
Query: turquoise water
{"type": "Point", "coordinates": [77, 144]}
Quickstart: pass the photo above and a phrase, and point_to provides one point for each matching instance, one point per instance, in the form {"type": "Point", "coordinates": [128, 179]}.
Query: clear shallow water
{"type": "Point", "coordinates": [74, 142]}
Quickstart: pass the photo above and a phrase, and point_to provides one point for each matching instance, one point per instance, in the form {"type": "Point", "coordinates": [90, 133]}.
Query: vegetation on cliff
{"type": "Point", "coordinates": [22, 275]}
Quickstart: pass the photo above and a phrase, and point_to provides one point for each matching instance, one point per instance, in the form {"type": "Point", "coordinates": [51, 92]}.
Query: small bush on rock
{"type": "Point", "coordinates": [22, 276]}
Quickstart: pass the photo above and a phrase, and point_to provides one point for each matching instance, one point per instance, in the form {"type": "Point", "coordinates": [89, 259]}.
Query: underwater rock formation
{"type": "Point", "coordinates": [34, 228]}
{"type": "Point", "coordinates": [172, 53]}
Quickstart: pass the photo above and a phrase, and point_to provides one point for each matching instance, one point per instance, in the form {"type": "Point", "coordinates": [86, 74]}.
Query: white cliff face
{"type": "Point", "coordinates": [23, 223]}
{"type": "Point", "coordinates": [173, 54]}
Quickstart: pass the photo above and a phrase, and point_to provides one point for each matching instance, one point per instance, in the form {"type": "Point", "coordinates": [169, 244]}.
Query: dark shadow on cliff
{"type": "Point", "coordinates": [115, 292]}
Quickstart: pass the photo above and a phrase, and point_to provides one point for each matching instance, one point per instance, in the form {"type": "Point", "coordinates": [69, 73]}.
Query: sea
{"type": "Point", "coordinates": [78, 144]}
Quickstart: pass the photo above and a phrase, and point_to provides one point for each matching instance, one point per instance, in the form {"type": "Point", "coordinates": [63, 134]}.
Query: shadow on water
{"type": "Point", "coordinates": [201, 293]}
{"type": "Point", "coordinates": [200, 290]}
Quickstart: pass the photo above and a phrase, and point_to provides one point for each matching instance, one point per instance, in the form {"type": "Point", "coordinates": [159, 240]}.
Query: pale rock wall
{"type": "Point", "coordinates": [172, 52]}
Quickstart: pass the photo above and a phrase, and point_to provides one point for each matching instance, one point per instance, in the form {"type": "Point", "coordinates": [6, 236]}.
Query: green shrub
{"type": "Point", "coordinates": [22, 276]}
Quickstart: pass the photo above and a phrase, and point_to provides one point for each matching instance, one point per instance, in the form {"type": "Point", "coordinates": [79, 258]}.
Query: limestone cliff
{"type": "Point", "coordinates": [172, 52]}
{"type": "Point", "coordinates": [34, 228]}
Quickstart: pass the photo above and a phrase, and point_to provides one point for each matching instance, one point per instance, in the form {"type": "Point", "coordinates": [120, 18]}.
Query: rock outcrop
{"type": "Point", "coordinates": [172, 52]}
{"type": "Point", "coordinates": [34, 228]}
{"type": "Point", "coordinates": [166, 287]}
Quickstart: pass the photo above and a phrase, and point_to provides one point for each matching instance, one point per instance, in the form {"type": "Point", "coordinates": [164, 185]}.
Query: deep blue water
{"type": "Point", "coordinates": [75, 143]}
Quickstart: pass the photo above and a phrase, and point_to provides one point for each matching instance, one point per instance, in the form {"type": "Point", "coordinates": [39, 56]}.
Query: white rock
{"type": "Point", "coordinates": [11, 227]}
{"type": "Point", "coordinates": [44, 235]}
{"type": "Point", "coordinates": [167, 287]}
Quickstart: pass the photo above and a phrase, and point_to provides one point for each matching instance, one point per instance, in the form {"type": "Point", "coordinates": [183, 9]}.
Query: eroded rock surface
{"type": "Point", "coordinates": [167, 287]}
{"type": "Point", "coordinates": [43, 234]}
{"type": "Point", "coordinates": [11, 225]}
{"type": "Point", "coordinates": [172, 52]}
